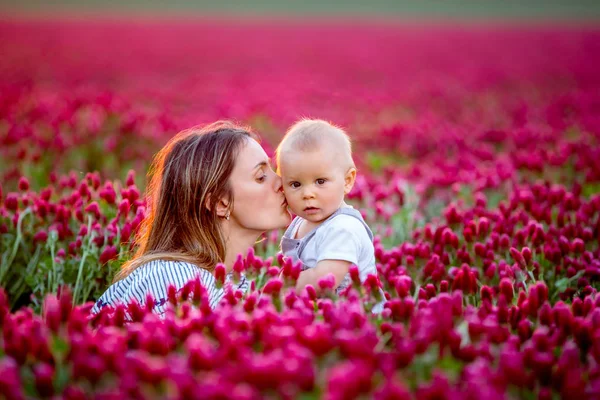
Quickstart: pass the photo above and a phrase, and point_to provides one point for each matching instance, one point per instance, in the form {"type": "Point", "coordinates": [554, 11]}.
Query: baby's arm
{"type": "Point", "coordinates": [338, 247]}
{"type": "Point", "coordinates": [311, 276]}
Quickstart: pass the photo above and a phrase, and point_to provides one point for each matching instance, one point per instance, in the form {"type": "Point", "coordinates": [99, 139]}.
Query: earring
{"type": "Point", "coordinates": [227, 216]}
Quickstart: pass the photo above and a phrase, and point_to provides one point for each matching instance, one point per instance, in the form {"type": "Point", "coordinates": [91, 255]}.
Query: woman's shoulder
{"type": "Point", "coordinates": [166, 272]}
{"type": "Point", "coordinates": [154, 266]}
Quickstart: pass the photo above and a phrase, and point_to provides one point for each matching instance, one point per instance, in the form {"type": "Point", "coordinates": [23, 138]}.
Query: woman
{"type": "Point", "coordinates": [211, 194]}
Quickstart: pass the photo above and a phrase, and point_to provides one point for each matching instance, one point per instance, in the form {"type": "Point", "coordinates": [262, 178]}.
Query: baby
{"type": "Point", "coordinates": [315, 162]}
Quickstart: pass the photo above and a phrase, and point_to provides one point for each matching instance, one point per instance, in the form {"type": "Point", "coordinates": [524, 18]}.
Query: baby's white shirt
{"type": "Point", "coordinates": [340, 237]}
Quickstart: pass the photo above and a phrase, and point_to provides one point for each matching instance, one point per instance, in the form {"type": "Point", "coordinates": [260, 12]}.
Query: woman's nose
{"type": "Point", "coordinates": [278, 183]}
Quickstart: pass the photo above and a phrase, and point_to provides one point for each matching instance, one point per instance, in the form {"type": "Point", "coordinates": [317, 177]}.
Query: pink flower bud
{"type": "Point", "coordinates": [280, 259]}
{"type": "Point", "coordinates": [447, 237]}
{"type": "Point", "coordinates": [452, 215]}
{"type": "Point", "coordinates": [403, 286]}
{"type": "Point", "coordinates": [238, 265]}
{"type": "Point", "coordinates": [483, 227]}
{"type": "Point", "coordinates": [220, 273]}
{"type": "Point", "coordinates": [504, 241]}
{"type": "Point", "coordinates": [172, 294]}
{"type": "Point", "coordinates": [108, 193]}
{"type": "Point", "coordinates": [468, 234]}
{"type": "Point", "coordinates": [125, 232]}
{"type": "Point", "coordinates": [51, 312]}
{"type": "Point", "coordinates": [524, 329]}
{"type": "Point", "coordinates": [124, 207]}
{"type": "Point", "coordinates": [94, 178]}
{"type": "Point", "coordinates": [506, 288]}
{"type": "Point", "coordinates": [311, 292]}
{"type": "Point", "coordinates": [486, 293]}
{"type": "Point", "coordinates": [564, 245]}
{"type": "Point", "coordinates": [518, 257]}
{"type": "Point", "coordinates": [94, 209]}
{"type": "Point", "coordinates": [40, 237]}
{"type": "Point", "coordinates": [273, 286]}
{"type": "Point", "coordinates": [296, 270]}
{"type": "Point", "coordinates": [44, 374]}
{"type": "Point", "coordinates": [526, 252]}
{"type": "Point", "coordinates": [23, 184]}
{"type": "Point", "coordinates": [134, 194]}
{"type": "Point", "coordinates": [444, 286]}
{"type": "Point", "coordinates": [12, 202]}
{"type": "Point", "coordinates": [354, 274]}
{"type": "Point", "coordinates": [578, 246]}
{"type": "Point", "coordinates": [250, 302]}
{"type": "Point", "coordinates": [84, 190]}
{"type": "Point", "coordinates": [545, 393]}
{"type": "Point", "coordinates": [130, 181]}
{"type": "Point", "coordinates": [109, 253]}
{"type": "Point", "coordinates": [327, 282]}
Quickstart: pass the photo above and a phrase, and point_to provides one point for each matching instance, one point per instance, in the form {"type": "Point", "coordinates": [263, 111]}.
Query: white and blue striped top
{"type": "Point", "coordinates": [155, 277]}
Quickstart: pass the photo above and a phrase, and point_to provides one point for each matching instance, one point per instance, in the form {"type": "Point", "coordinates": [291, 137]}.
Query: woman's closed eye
{"type": "Point", "coordinates": [261, 178]}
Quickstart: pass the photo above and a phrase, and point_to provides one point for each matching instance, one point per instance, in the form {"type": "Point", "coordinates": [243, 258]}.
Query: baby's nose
{"type": "Point", "coordinates": [308, 193]}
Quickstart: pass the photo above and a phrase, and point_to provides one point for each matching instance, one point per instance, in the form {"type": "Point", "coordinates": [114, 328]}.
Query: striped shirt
{"type": "Point", "coordinates": [155, 277]}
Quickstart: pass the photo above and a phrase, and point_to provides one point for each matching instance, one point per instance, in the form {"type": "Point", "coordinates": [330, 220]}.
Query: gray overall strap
{"type": "Point", "coordinates": [340, 211]}
{"type": "Point", "coordinates": [290, 230]}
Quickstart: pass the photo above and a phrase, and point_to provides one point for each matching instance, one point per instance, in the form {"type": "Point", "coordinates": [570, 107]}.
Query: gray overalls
{"type": "Point", "coordinates": [293, 247]}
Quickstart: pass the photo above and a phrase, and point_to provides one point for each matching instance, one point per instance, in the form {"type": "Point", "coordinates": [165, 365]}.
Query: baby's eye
{"type": "Point", "coordinates": [295, 185]}
{"type": "Point", "coordinates": [321, 181]}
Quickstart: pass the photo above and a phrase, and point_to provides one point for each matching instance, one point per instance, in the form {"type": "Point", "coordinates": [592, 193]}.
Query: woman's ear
{"type": "Point", "coordinates": [222, 206]}
{"type": "Point", "coordinates": [349, 179]}
{"type": "Point", "coordinates": [223, 209]}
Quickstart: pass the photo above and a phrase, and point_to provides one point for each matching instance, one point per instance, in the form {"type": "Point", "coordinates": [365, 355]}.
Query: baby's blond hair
{"type": "Point", "coordinates": [310, 135]}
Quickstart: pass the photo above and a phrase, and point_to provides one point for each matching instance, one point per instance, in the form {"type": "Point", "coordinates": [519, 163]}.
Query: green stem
{"type": "Point", "coordinates": [86, 295]}
{"type": "Point", "coordinates": [83, 257]}
{"type": "Point", "coordinates": [5, 268]}
{"type": "Point", "coordinates": [51, 276]}
{"type": "Point", "coordinates": [20, 285]}
{"type": "Point", "coordinates": [416, 295]}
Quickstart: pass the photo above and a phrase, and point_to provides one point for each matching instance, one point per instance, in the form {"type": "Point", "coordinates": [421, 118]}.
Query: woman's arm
{"type": "Point", "coordinates": [311, 276]}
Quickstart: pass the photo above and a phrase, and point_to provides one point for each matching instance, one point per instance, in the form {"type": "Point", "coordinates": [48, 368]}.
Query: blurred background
{"type": "Point", "coordinates": [461, 9]}
{"type": "Point", "coordinates": [107, 74]}
{"type": "Point", "coordinates": [104, 75]}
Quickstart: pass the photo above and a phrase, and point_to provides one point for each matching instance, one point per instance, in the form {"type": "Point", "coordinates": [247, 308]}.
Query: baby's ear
{"type": "Point", "coordinates": [349, 179]}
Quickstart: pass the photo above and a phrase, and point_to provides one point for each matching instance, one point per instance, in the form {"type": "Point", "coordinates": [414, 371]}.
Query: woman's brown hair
{"type": "Point", "coordinates": [189, 172]}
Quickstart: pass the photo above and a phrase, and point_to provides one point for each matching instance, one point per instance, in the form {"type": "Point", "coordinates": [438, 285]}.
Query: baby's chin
{"type": "Point", "coordinates": [314, 218]}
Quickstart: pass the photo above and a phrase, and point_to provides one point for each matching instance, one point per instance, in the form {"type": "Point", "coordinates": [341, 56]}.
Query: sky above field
{"type": "Point", "coordinates": [475, 9]}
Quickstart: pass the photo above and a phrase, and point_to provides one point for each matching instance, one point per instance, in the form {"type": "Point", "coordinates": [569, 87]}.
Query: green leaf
{"type": "Point", "coordinates": [59, 348]}
{"type": "Point", "coordinates": [451, 366]}
{"type": "Point", "coordinates": [62, 375]}
{"type": "Point", "coordinates": [463, 331]}
{"type": "Point", "coordinates": [561, 284]}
